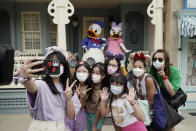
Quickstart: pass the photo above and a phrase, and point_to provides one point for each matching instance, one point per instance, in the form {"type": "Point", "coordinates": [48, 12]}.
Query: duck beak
{"type": "Point", "coordinates": [115, 36]}
{"type": "Point", "coordinates": [92, 34]}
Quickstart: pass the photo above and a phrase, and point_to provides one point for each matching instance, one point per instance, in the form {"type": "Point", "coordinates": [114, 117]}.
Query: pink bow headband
{"type": "Point", "coordinates": [52, 49]}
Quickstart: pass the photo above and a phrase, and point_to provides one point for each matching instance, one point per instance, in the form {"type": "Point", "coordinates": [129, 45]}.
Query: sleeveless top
{"type": "Point", "coordinates": [141, 87]}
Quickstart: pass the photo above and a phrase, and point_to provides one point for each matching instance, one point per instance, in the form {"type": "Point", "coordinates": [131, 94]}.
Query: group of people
{"type": "Point", "coordinates": [78, 98]}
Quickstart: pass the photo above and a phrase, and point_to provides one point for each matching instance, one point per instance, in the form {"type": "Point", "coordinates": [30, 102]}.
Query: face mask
{"type": "Point", "coordinates": [82, 76]}
{"type": "Point", "coordinates": [96, 78]}
{"type": "Point", "coordinates": [116, 90]}
{"type": "Point", "coordinates": [158, 64]}
{"type": "Point", "coordinates": [111, 69]}
{"type": "Point", "coordinates": [138, 72]}
{"type": "Point", "coordinates": [61, 72]}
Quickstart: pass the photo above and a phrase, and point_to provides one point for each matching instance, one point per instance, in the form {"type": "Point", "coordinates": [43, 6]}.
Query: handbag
{"type": "Point", "coordinates": [173, 117]}
{"type": "Point", "coordinates": [178, 99]}
{"type": "Point", "coordinates": [159, 116]}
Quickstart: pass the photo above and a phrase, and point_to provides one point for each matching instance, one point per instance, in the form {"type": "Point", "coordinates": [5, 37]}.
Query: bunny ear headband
{"type": "Point", "coordinates": [140, 55]}
{"type": "Point", "coordinates": [73, 63]}
{"type": "Point", "coordinates": [52, 49]}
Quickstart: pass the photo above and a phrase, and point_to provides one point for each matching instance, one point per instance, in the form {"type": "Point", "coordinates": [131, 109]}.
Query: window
{"type": "Point", "coordinates": [31, 31]}
{"type": "Point", "coordinates": [53, 33]}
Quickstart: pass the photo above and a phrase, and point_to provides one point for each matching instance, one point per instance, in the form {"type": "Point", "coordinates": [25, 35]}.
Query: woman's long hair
{"type": "Point", "coordinates": [118, 78]}
{"type": "Point", "coordinates": [102, 72]}
{"type": "Point", "coordinates": [167, 62]}
{"type": "Point", "coordinates": [63, 77]}
{"type": "Point", "coordinates": [107, 76]}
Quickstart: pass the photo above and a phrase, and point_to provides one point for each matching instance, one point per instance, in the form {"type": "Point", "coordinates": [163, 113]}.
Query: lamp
{"type": "Point", "coordinates": [75, 21]}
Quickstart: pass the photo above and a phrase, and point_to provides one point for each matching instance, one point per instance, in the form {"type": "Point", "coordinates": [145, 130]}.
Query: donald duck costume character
{"type": "Point", "coordinates": [93, 40]}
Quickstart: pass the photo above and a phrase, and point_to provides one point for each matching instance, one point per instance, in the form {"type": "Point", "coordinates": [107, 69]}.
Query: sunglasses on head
{"type": "Point", "coordinates": [159, 59]}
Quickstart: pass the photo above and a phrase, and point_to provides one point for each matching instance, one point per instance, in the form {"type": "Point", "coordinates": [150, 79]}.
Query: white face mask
{"type": "Point", "coordinates": [61, 72]}
{"type": "Point", "coordinates": [111, 70]}
{"type": "Point", "coordinates": [82, 76]}
{"type": "Point", "coordinates": [157, 65]}
{"type": "Point", "coordinates": [96, 78]}
{"type": "Point", "coordinates": [138, 72]}
{"type": "Point", "coordinates": [116, 90]}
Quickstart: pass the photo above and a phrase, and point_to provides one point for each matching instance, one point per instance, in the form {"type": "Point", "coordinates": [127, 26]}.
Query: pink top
{"type": "Point", "coordinates": [114, 45]}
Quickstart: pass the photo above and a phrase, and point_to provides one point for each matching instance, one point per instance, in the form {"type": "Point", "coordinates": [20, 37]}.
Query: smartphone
{"type": "Point", "coordinates": [50, 67]}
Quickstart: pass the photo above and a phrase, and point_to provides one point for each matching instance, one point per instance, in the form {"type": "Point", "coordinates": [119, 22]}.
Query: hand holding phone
{"type": "Point", "coordinates": [50, 67]}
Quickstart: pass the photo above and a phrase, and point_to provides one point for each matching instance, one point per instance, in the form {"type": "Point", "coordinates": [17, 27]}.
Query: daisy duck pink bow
{"type": "Point", "coordinates": [52, 49]}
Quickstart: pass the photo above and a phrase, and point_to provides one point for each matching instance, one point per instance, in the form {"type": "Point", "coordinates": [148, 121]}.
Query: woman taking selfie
{"type": "Point", "coordinates": [52, 99]}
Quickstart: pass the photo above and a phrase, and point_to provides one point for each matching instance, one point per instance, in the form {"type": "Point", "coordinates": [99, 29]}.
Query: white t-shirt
{"type": "Point", "coordinates": [122, 112]}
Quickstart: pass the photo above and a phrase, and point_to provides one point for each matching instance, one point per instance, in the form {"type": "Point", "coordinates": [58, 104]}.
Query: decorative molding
{"type": "Point", "coordinates": [61, 10]}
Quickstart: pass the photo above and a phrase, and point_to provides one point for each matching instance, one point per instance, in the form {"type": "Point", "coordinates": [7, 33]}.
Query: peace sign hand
{"type": "Point", "coordinates": [104, 94]}
{"type": "Point", "coordinates": [82, 93]}
{"type": "Point", "coordinates": [68, 92]}
{"type": "Point", "coordinates": [131, 95]}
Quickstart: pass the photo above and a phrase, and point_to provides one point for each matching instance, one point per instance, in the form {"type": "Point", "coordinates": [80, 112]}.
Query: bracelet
{"type": "Point", "coordinates": [133, 103]}
{"type": "Point", "coordinates": [165, 77]}
{"type": "Point", "coordinates": [22, 80]}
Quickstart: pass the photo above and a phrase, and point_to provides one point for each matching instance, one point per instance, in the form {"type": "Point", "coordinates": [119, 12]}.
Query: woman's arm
{"type": "Point", "coordinates": [150, 89]}
{"type": "Point", "coordinates": [138, 113]}
{"type": "Point", "coordinates": [68, 96]}
{"type": "Point", "coordinates": [83, 101]}
{"type": "Point", "coordinates": [104, 109]}
{"type": "Point", "coordinates": [97, 117]}
{"type": "Point", "coordinates": [169, 87]}
{"type": "Point", "coordinates": [70, 109]}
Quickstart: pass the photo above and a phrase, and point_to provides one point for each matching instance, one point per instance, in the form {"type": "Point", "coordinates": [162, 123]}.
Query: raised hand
{"type": "Point", "coordinates": [82, 93]}
{"type": "Point", "coordinates": [68, 92]}
{"type": "Point", "coordinates": [71, 56]}
{"type": "Point", "coordinates": [131, 95]}
{"type": "Point", "coordinates": [104, 94]}
{"type": "Point", "coordinates": [26, 70]}
{"type": "Point", "coordinates": [162, 72]}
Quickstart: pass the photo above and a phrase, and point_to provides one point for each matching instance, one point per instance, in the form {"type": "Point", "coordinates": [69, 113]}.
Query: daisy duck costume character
{"type": "Point", "coordinates": [116, 47]}
{"type": "Point", "coordinates": [115, 42]}
{"type": "Point", "coordinates": [93, 44]}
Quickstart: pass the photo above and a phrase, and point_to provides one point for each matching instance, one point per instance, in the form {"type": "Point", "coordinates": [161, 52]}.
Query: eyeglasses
{"type": "Point", "coordinates": [159, 59]}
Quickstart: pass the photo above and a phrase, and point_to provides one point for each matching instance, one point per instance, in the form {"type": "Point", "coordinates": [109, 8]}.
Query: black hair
{"type": "Point", "coordinates": [63, 77]}
{"type": "Point", "coordinates": [88, 82]}
{"type": "Point", "coordinates": [107, 76]}
{"type": "Point", "coordinates": [102, 71]}
{"type": "Point", "coordinates": [143, 61]}
{"type": "Point", "coordinates": [119, 78]}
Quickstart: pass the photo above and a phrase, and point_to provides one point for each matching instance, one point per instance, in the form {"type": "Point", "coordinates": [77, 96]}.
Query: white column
{"type": "Point", "coordinates": [61, 10]}
{"type": "Point", "coordinates": [155, 11]}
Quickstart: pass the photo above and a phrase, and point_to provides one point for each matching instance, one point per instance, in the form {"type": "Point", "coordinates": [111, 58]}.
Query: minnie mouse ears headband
{"type": "Point", "coordinates": [73, 63]}
{"type": "Point", "coordinates": [52, 49]}
{"type": "Point", "coordinates": [140, 55]}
